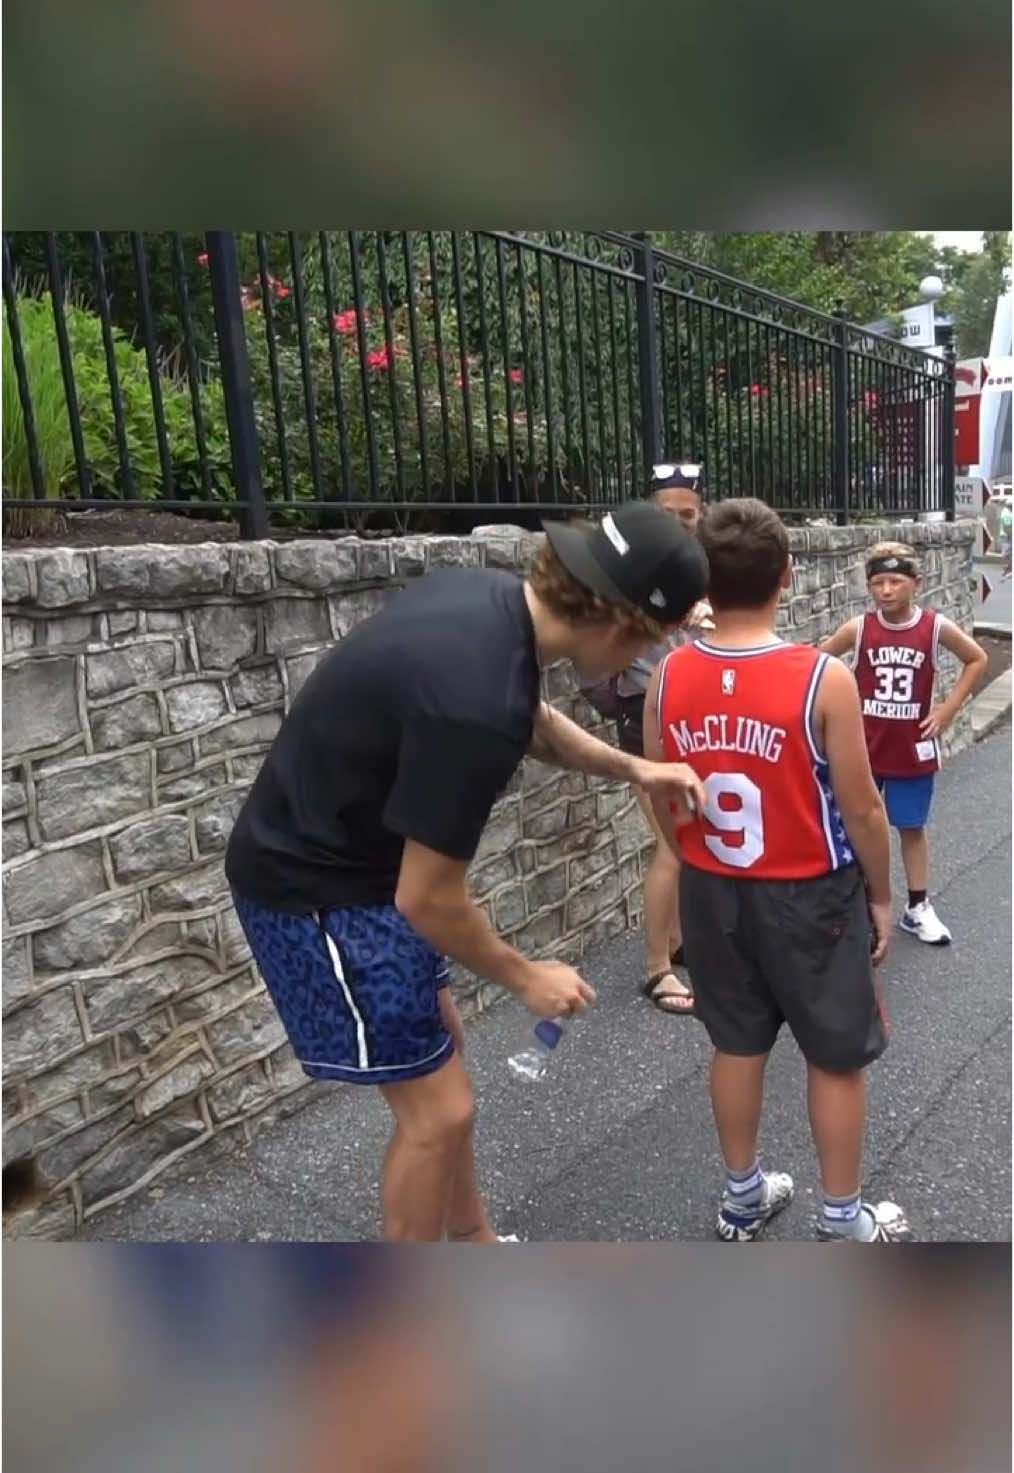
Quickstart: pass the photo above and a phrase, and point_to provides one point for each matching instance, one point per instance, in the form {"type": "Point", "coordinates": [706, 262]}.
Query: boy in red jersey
{"type": "Point", "coordinates": [776, 923]}
{"type": "Point", "coordinates": [894, 658]}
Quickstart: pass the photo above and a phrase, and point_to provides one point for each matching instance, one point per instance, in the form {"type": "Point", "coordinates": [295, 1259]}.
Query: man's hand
{"type": "Point", "coordinates": [881, 917]}
{"type": "Point", "coordinates": [553, 990]}
{"type": "Point", "coordinates": [938, 720]}
{"type": "Point", "coordinates": [674, 783]}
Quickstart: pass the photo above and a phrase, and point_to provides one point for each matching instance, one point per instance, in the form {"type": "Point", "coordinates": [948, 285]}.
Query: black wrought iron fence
{"type": "Point", "coordinates": [440, 378]}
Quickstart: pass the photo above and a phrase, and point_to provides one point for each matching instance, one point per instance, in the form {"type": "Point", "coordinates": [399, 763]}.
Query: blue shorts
{"type": "Point", "coordinates": [356, 990]}
{"type": "Point", "coordinates": [907, 800]}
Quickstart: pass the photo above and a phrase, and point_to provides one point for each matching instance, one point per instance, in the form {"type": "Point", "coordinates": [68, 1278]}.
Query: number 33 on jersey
{"type": "Point", "coordinates": [743, 719]}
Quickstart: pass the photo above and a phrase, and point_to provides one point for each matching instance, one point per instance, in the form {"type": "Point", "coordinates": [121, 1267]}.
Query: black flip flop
{"type": "Point", "coordinates": [651, 992]}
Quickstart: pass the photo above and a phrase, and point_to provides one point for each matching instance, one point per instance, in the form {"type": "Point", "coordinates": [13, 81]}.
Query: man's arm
{"type": "Point", "coordinates": [433, 897]}
{"type": "Point", "coordinates": [563, 743]}
{"type": "Point", "coordinates": [974, 659]}
{"type": "Point", "coordinates": [558, 740]}
{"type": "Point", "coordinates": [448, 778]}
{"type": "Point", "coordinates": [842, 641]}
{"type": "Point", "coordinates": [840, 722]}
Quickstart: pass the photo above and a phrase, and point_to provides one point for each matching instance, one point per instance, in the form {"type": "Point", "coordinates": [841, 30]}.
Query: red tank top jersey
{"type": "Point", "coordinates": [895, 668]}
{"type": "Point", "coordinates": [743, 720]}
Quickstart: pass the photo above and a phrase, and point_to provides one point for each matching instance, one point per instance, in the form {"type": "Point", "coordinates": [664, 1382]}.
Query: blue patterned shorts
{"type": "Point", "coordinates": [356, 990]}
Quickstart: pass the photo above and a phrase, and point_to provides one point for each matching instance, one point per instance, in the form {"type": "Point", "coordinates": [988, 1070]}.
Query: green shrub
{"type": "Point", "coordinates": [416, 421]}
{"type": "Point", "coordinates": [95, 408]}
{"type": "Point", "coordinates": [49, 410]}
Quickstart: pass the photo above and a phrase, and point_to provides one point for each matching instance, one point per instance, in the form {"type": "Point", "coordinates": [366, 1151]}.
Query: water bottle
{"type": "Point", "coordinates": [532, 1063]}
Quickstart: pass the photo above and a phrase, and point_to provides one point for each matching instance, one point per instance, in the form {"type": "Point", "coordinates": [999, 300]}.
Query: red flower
{"type": "Point", "coordinates": [279, 288]}
{"type": "Point", "coordinates": [381, 358]}
{"type": "Point", "coordinates": [759, 389]}
{"type": "Point", "coordinates": [516, 376]}
{"type": "Point", "coordinates": [345, 322]}
{"type": "Point", "coordinates": [202, 259]}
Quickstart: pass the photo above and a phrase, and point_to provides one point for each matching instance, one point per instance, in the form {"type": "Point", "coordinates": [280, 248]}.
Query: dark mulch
{"type": "Point", "coordinates": [128, 526]}
{"type": "Point", "coordinates": [125, 527]}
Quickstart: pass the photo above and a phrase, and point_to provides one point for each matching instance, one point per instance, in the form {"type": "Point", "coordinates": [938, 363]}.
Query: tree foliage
{"type": "Point", "coordinates": [974, 282]}
{"type": "Point", "coordinates": [872, 273]}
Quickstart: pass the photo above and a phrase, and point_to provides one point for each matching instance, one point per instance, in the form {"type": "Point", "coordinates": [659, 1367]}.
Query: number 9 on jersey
{"type": "Point", "coordinates": [734, 809]}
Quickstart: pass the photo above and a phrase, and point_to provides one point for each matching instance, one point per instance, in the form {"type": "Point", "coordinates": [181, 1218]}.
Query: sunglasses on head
{"type": "Point", "coordinates": [685, 475]}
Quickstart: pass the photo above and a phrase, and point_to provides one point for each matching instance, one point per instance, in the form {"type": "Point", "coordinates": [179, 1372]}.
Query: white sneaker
{"type": "Point", "coordinates": [922, 921]}
{"type": "Point", "coordinates": [889, 1226]}
{"type": "Point", "coordinates": [743, 1224]}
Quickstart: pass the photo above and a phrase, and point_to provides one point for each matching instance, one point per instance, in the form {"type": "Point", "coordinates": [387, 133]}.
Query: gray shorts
{"type": "Point", "coordinates": [761, 953]}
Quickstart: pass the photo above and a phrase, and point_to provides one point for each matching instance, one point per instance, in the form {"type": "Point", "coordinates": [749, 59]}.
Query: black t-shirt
{"type": "Point", "coordinates": [409, 729]}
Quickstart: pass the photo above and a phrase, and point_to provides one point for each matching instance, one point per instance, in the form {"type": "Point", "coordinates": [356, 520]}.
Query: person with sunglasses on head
{"type": "Point", "coordinates": [677, 490]}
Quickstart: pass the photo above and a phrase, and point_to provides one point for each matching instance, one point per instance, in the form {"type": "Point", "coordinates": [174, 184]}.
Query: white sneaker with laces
{"type": "Point", "coordinates": [923, 922]}
{"type": "Point", "coordinates": [742, 1225]}
{"type": "Point", "coordinates": [889, 1226]}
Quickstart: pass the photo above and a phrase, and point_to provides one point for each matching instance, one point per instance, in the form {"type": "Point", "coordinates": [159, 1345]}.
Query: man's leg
{"type": "Point", "coordinates": [910, 800]}
{"type": "Point", "coordinates": [751, 1196]}
{"type": "Point", "coordinates": [467, 1221]}
{"type": "Point", "coordinates": [662, 935]}
{"type": "Point", "coordinates": [920, 918]}
{"type": "Point", "coordinates": [837, 1106]}
{"type": "Point", "coordinates": [742, 1021]}
{"type": "Point", "coordinates": [915, 857]}
{"type": "Point", "coordinates": [433, 1118]}
{"type": "Point", "coordinates": [737, 1095]}
{"type": "Point", "coordinates": [818, 947]}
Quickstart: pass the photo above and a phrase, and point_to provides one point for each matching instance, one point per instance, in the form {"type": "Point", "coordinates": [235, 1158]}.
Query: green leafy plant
{"type": "Point", "coordinates": [374, 396]}
{"type": "Point", "coordinates": [51, 422]}
{"type": "Point", "coordinates": [92, 391]}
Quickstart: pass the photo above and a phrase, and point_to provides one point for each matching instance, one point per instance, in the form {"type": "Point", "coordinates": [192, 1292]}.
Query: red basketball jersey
{"type": "Point", "coordinates": [743, 720]}
{"type": "Point", "coordinates": [895, 668]}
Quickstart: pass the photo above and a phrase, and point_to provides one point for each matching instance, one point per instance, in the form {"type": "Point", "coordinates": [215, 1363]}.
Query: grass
{"type": "Point", "coordinates": [49, 410]}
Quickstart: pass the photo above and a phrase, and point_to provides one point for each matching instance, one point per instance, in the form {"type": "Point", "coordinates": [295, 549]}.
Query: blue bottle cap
{"type": "Point", "coordinates": [548, 1032]}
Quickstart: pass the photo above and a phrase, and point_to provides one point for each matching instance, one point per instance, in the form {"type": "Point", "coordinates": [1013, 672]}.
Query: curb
{"type": "Point", "coordinates": [998, 631]}
{"type": "Point", "coordinates": [991, 707]}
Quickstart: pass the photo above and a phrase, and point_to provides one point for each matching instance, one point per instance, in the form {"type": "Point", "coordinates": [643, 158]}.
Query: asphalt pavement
{"type": "Point", "coordinates": [617, 1143]}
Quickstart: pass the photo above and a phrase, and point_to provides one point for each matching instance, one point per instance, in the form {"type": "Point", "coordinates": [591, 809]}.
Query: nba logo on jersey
{"type": "Point", "coordinates": [728, 682]}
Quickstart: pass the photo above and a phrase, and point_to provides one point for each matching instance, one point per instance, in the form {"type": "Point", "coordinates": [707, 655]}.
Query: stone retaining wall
{"type": "Point", "coordinates": [141, 688]}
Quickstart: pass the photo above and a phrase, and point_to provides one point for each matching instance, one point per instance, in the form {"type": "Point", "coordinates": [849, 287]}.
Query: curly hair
{"type": "Point", "coordinates": [569, 600]}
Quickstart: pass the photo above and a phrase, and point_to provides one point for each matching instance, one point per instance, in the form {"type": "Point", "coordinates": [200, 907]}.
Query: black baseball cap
{"type": "Point", "coordinates": [637, 555]}
{"type": "Point", "coordinates": [682, 476]}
